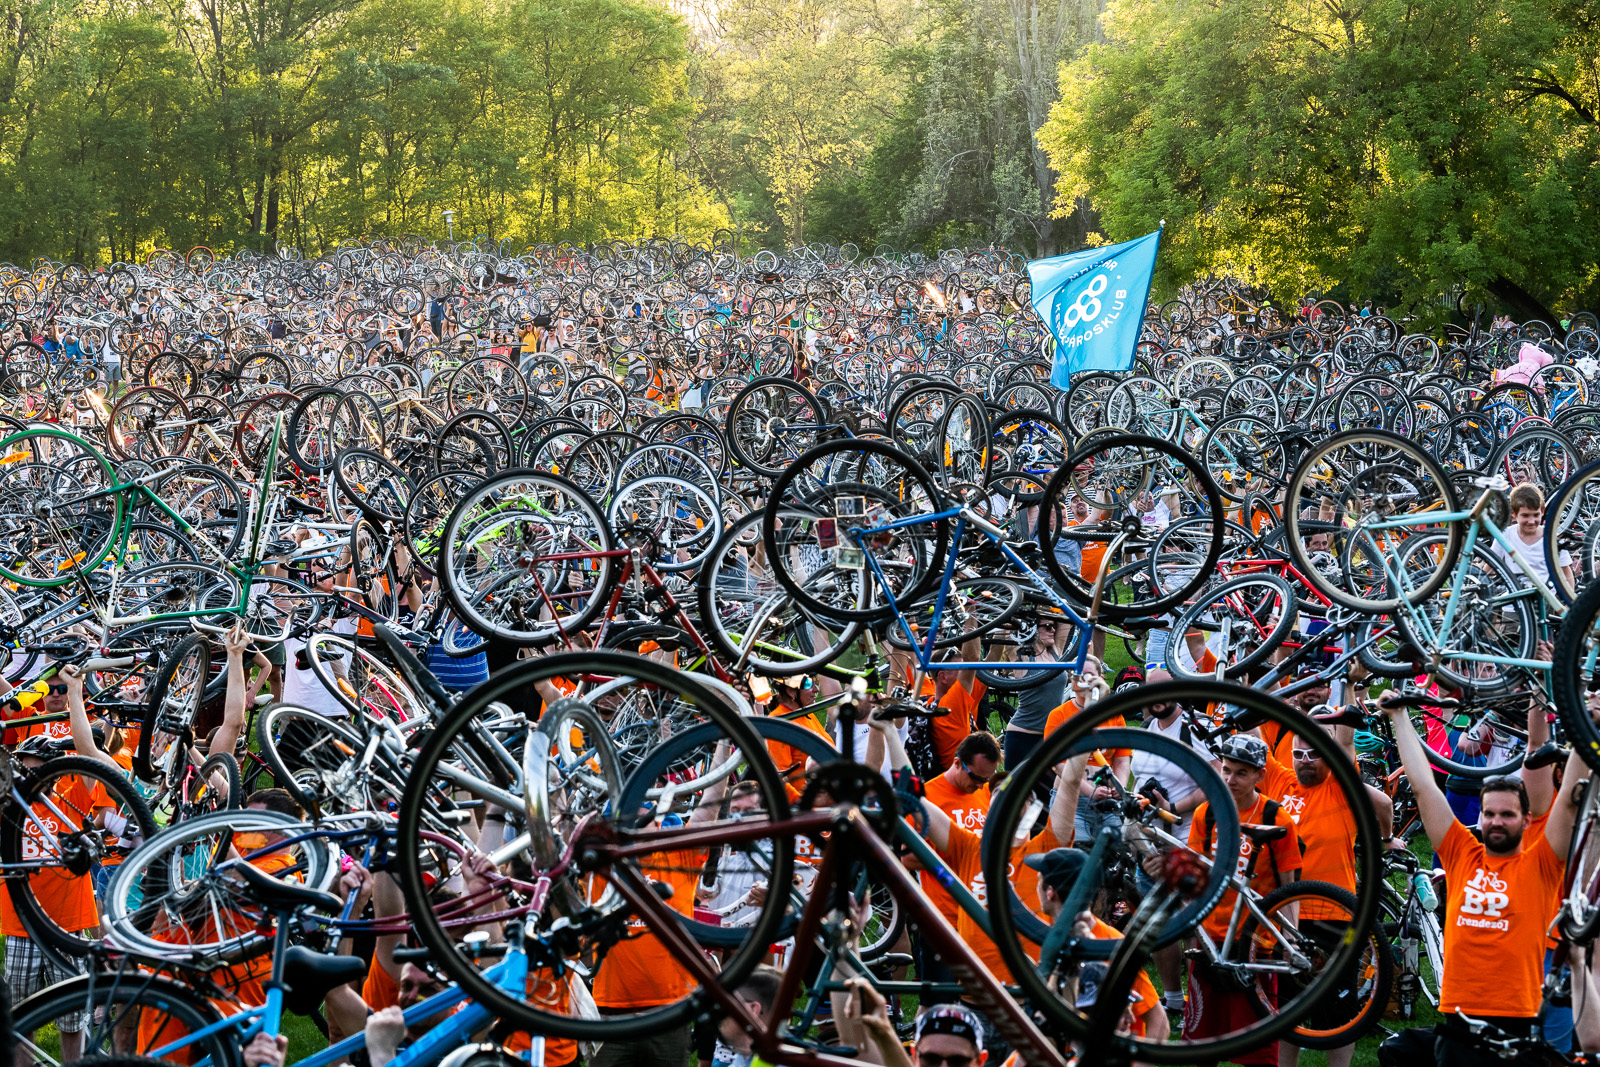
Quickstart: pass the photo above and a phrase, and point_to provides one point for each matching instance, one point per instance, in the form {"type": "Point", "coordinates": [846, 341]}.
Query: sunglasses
{"type": "Point", "coordinates": [58, 689]}
{"type": "Point", "coordinates": [975, 776]}
{"type": "Point", "coordinates": [1305, 755]}
{"type": "Point", "coordinates": [940, 1059]}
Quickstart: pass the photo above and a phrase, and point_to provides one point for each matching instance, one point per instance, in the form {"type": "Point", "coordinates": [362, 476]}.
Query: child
{"type": "Point", "coordinates": [1526, 535]}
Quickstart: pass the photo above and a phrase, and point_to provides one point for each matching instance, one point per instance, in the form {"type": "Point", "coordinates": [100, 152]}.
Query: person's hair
{"type": "Point", "coordinates": [1504, 783]}
{"type": "Point", "coordinates": [978, 743]}
{"type": "Point", "coordinates": [277, 800]}
{"type": "Point", "coordinates": [1527, 495]}
{"type": "Point", "coordinates": [762, 985]}
{"type": "Point", "coordinates": [744, 789]}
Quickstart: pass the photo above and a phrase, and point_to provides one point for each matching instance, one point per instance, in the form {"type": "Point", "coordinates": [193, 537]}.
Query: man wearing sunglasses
{"type": "Point", "coordinates": [1307, 793]}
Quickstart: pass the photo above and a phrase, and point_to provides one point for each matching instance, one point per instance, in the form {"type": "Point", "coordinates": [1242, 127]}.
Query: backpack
{"type": "Point", "coordinates": [1269, 817]}
{"type": "Point", "coordinates": [920, 749]}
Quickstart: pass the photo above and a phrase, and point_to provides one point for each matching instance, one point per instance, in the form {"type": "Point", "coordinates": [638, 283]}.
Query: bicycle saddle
{"type": "Point", "coordinates": [1544, 756]}
{"type": "Point", "coordinates": [1261, 835]}
{"type": "Point", "coordinates": [284, 896]}
{"type": "Point", "coordinates": [309, 976]}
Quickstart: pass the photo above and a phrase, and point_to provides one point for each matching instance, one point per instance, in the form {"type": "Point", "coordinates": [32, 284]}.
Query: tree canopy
{"type": "Point", "coordinates": [1399, 148]}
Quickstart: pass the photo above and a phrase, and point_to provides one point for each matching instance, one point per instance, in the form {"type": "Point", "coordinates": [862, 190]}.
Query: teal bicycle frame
{"type": "Point", "coordinates": [1416, 618]}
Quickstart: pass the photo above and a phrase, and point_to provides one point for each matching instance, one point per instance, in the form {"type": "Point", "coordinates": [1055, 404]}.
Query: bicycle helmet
{"type": "Point", "coordinates": [39, 746]}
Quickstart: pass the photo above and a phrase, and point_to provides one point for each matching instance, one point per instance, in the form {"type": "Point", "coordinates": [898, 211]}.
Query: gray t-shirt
{"type": "Point", "coordinates": [1035, 705]}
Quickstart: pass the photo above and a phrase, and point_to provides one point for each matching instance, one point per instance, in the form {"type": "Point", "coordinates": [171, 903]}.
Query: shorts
{"type": "Point", "coordinates": [1212, 1010]}
{"type": "Point", "coordinates": [29, 970]}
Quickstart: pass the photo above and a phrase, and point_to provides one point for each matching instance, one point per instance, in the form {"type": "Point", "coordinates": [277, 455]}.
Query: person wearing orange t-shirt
{"type": "Point", "coordinates": [1059, 870]}
{"type": "Point", "coordinates": [960, 849]}
{"type": "Point", "coordinates": [66, 897]}
{"type": "Point", "coordinates": [962, 793]}
{"type": "Point", "coordinates": [1326, 826]}
{"type": "Point", "coordinates": [1212, 1009]}
{"type": "Point", "coordinates": [1496, 912]}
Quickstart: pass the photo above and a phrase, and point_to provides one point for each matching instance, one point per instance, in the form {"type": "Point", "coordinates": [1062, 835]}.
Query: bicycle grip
{"type": "Point", "coordinates": [107, 663]}
{"type": "Point", "coordinates": [1418, 700]}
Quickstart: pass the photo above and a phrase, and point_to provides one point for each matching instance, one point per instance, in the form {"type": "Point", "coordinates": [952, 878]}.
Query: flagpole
{"type": "Point", "coordinates": [1144, 305]}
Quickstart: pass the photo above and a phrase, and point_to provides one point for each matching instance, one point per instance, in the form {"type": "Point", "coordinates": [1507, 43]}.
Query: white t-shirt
{"type": "Point", "coordinates": [1532, 554]}
{"type": "Point", "coordinates": [1175, 781]}
{"type": "Point", "coordinates": [302, 689]}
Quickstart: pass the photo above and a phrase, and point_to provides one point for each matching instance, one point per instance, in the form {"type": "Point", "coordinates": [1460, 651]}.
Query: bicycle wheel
{"type": "Point", "coordinates": [772, 421]}
{"type": "Point", "coordinates": [1117, 477]}
{"type": "Point", "coordinates": [972, 608]}
{"type": "Point", "coordinates": [179, 892]}
{"type": "Point", "coordinates": [167, 727]}
{"type": "Point", "coordinates": [1302, 926]}
{"type": "Point", "coordinates": [379, 488]}
{"type": "Point", "coordinates": [58, 831]}
{"type": "Point", "coordinates": [523, 558]}
{"type": "Point", "coordinates": [1012, 807]}
{"type": "Point", "coordinates": [750, 620]}
{"type": "Point", "coordinates": [858, 484]}
{"type": "Point", "coordinates": [128, 1016]}
{"type": "Point", "coordinates": [1572, 519]}
{"type": "Point", "coordinates": [1242, 622]}
{"type": "Point", "coordinates": [1574, 682]}
{"type": "Point", "coordinates": [1360, 495]}
{"type": "Point", "coordinates": [318, 761]}
{"type": "Point", "coordinates": [680, 869]}
{"type": "Point", "coordinates": [53, 527]}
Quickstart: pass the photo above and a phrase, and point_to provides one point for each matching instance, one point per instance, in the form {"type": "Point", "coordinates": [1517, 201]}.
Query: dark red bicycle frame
{"type": "Point", "coordinates": [843, 823]}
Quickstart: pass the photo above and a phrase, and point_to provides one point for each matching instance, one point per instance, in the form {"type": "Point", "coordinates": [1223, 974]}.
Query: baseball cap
{"type": "Point", "coordinates": [1128, 677]}
{"type": "Point", "coordinates": [958, 1020]}
{"type": "Point", "coordinates": [1090, 979]}
{"type": "Point", "coordinates": [1243, 748]}
{"type": "Point", "coordinates": [1058, 868]}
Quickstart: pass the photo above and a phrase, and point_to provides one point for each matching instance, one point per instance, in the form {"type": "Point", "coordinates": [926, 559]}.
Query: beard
{"type": "Point", "coordinates": [1307, 776]}
{"type": "Point", "coordinates": [1499, 840]}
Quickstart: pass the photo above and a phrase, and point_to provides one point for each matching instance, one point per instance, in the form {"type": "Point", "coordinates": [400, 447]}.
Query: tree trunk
{"type": "Point", "coordinates": [1525, 304]}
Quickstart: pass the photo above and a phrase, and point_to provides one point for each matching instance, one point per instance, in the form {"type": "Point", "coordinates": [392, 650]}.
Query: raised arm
{"type": "Point", "coordinates": [234, 706]}
{"type": "Point", "coordinates": [1437, 818]}
{"type": "Point", "coordinates": [1558, 830]}
{"type": "Point", "coordinates": [1064, 803]}
{"type": "Point", "coordinates": [78, 718]}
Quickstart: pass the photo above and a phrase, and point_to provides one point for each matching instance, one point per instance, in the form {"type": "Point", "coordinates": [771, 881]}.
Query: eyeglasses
{"type": "Point", "coordinates": [975, 776]}
{"type": "Point", "coordinates": [1305, 755]}
{"type": "Point", "coordinates": [941, 1059]}
{"type": "Point", "coordinates": [1046, 624]}
{"type": "Point", "coordinates": [58, 689]}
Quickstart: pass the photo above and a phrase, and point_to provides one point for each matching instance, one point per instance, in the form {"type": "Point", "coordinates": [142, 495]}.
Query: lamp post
{"type": "Point", "coordinates": [450, 221]}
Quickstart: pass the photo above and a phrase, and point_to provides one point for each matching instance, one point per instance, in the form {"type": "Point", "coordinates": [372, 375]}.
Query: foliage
{"type": "Point", "coordinates": [1401, 147]}
{"type": "Point", "coordinates": [176, 122]}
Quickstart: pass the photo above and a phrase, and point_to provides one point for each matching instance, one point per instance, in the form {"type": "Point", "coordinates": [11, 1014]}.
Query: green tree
{"type": "Point", "coordinates": [1399, 145]}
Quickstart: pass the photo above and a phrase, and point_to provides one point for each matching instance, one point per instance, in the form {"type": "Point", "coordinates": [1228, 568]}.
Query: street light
{"type": "Point", "coordinates": [450, 221]}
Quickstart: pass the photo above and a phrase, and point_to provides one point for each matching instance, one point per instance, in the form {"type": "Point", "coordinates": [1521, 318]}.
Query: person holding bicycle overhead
{"type": "Point", "coordinates": [1500, 890]}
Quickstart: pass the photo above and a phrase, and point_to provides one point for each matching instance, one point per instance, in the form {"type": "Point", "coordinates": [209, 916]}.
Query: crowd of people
{"type": "Point", "coordinates": [1495, 857]}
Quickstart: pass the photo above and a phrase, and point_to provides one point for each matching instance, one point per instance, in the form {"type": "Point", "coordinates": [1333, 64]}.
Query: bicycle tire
{"type": "Point", "coordinates": [1312, 467]}
{"type": "Point", "coordinates": [1251, 587]}
{"type": "Point", "coordinates": [110, 1003]}
{"type": "Point", "coordinates": [91, 517]}
{"type": "Point", "coordinates": [1573, 676]}
{"type": "Point", "coordinates": [1075, 585]}
{"type": "Point", "coordinates": [225, 764]}
{"type": "Point", "coordinates": [1330, 1023]}
{"type": "Point", "coordinates": [77, 859]}
{"type": "Point", "coordinates": [912, 488]}
{"type": "Point", "coordinates": [1251, 706]}
{"type": "Point", "coordinates": [418, 797]}
{"type": "Point", "coordinates": [577, 524]}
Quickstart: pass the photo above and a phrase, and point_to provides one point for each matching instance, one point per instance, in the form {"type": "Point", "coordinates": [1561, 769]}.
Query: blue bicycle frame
{"type": "Point", "coordinates": [511, 975]}
{"type": "Point", "coordinates": [924, 647]}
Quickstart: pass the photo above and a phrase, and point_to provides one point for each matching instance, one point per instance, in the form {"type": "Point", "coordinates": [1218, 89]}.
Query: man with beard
{"type": "Point", "coordinates": [1498, 905]}
{"type": "Point", "coordinates": [1308, 794]}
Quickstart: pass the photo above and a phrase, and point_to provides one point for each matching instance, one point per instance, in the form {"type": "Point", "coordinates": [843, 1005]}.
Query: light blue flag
{"type": "Point", "coordinates": [1093, 304]}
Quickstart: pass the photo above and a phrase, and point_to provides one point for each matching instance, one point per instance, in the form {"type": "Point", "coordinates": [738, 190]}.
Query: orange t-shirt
{"type": "Point", "coordinates": [1063, 712]}
{"type": "Point", "coordinates": [965, 863]}
{"type": "Point", "coordinates": [791, 761]}
{"type": "Point", "coordinates": [638, 971]}
{"type": "Point", "coordinates": [1142, 986]}
{"type": "Point", "coordinates": [1494, 924]}
{"type": "Point", "coordinates": [1324, 822]}
{"type": "Point", "coordinates": [952, 729]}
{"type": "Point", "coordinates": [380, 990]}
{"type": "Point", "coordinates": [966, 810]}
{"type": "Point", "coordinates": [553, 996]}
{"type": "Point", "coordinates": [1283, 853]}
{"type": "Point", "coordinates": [67, 898]}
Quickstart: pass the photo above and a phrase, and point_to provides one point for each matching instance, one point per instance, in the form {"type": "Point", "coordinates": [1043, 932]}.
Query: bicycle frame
{"type": "Point", "coordinates": [846, 823]}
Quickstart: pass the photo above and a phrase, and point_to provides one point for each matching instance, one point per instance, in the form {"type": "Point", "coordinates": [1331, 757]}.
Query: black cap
{"type": "Point", "coordinates": [1059, 868]}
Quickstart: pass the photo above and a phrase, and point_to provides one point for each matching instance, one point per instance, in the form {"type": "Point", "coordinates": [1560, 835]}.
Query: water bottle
{"type": "Point", "coordinates": [1423, 884]}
